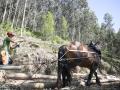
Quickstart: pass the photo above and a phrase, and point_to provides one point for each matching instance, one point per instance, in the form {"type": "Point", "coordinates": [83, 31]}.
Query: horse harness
{"type": "Point", "coordinates": [78, 55]}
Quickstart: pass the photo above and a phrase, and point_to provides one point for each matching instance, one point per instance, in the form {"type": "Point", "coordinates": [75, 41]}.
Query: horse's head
{"type": "Point", "coordinates": [91, 44]}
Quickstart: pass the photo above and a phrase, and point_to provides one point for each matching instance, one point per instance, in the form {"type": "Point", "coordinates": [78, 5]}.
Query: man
{"type": "Point", "coordinates": [6, 58]}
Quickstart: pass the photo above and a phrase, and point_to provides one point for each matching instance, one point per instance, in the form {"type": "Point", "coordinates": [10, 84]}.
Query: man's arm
{"type": "Point", "coordinates": [13, 41]}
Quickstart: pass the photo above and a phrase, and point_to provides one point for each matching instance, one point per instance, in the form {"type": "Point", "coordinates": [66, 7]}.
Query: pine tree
{"type": "Point", "coordinates": [48, 27]}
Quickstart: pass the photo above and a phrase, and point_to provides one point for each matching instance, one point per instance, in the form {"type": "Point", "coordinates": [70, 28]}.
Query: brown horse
{"type": "Point", "coordinates": [76, 54]}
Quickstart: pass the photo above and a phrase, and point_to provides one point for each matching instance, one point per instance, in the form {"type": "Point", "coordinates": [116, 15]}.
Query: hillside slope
{"type": "Point", "coordinates": [36, 56]}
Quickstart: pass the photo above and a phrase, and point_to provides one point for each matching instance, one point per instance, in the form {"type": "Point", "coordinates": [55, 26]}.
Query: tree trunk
{"type": "Point", "coordinates": [15, 13]}
{"type": "Point", "coordinates": [10, 10]}
{"type": "Point", "coordinates": [35, 12]}
{"type": "Point", "coordinates": [5, 11]}
{"type": "Point", "coordinates": [22, 26]}
{"type": "Point", "coordinates": [23, 76]}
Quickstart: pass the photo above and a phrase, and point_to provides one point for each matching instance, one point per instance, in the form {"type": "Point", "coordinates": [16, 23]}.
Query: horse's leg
{"type": "Point", "coordinates": [96, 66]}
{"type": "Point", "coordinates": [97, 79]}
{"type": "Point", "coordinates": [59, 75]}
{"type": "Point", "coordinates": [89, 77]}
{"type": "Point", "coordinates": [64, 80]}
{"type": "Point", "coordinates": [95, 73]}
{"type": "Point", "coordinates": [92, 71]}
{"type": "Point", "coordinates": [64, 74]}
{"type": "Point", "coordinates": [69, 77]}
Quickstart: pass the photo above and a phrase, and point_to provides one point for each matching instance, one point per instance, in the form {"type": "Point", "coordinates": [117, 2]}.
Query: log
{"type": "Point", "coordinates": [49, 81]}
{"type": "Point", "coordinates": [38, 85]}
{"type": "Point", "coordinates": [39, 76]}
{"type": "Point", "coordinates": [23, 76]}
{"type": "Point", "coordinates": [10, 67]}
{"type": "Point", "coordinates": [52, 86]}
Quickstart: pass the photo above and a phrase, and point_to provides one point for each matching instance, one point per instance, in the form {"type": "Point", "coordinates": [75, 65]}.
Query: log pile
{"type": "Point", "coordinates": [38, 81]}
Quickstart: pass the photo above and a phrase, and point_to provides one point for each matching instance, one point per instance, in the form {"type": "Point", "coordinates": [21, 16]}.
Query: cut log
{"type": "Point", "coordinates": [49, 81]}
{"type": "Point", "coordinates": [22, 76]}
{"type": "Point", "coordinates": [52, 86]}
{"type": "Point", "coordinates": [39, 85]}
{"type": "Point", "coordinates": [10, 67]}
{"type": "Point", "coordinates": [39, 76]}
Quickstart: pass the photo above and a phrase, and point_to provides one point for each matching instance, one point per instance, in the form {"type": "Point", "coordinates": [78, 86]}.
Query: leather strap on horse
{"type": "Point", "coordinates": [63, 56]}
{"type": "Point", "coordinates": [88, 52]}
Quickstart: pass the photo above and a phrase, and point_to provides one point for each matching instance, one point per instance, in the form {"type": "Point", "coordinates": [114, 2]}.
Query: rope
{"type": "Point", "coordinates": [62, 56]}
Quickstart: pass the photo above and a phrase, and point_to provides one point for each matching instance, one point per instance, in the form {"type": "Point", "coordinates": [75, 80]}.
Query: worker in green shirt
{"type": "Point", "coordinates": [6, 48]}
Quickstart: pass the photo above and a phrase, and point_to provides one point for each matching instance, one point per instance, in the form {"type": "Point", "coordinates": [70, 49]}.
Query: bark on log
{"type": "Point", "coordinates": [10, 67]}
{"type": "Point", "coordinates": [39, 85]}
{"type": "Point", "coordinates": [22, 76]}
{"type": "Point", "coordinates": [52, 85]}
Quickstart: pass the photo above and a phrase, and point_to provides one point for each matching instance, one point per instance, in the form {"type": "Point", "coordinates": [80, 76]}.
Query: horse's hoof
{"type": "Point", "coordinates": [63, 85]}
{"type": "Point", "coordinates": [99, 84]}
{"type": "Point", "coordinates": [87, 83]}
{"type": "Point", "coordinates": [58, 85]}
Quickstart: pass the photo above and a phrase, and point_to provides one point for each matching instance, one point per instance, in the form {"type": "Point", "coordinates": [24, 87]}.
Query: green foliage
{"type": "Point", "coordinates": [5, 27]}
{"type": "Point", "coordinates": [48, 30]}
{"type": "Point", "coordinates": [36, 34]}
{"type": "Point", "coordinates": [108, 19]}
{"type": "Point", "coordinates": [26, 32]}
{"type": "Point", "coordinates": [118, 35]}
{"type": "Point", "coordinates": [109, 34]}
{"type": "Point", "coordinates": [114, 63]}
{"type": "Point", "coordinates": [116, 44]}
{"type": "Point", "coordinates": [57, 40]}
{"type": "Point", "coordinates": [64, 31]}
